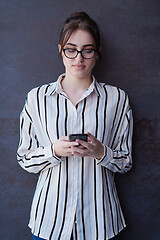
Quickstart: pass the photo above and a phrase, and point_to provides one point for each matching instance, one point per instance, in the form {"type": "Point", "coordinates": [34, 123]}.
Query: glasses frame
{"type": "Point", "coordinates": [81, 52]}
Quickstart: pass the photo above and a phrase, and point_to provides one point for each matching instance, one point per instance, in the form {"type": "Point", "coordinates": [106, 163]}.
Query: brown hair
{"type": "Point", "coordinates": [80, 20]}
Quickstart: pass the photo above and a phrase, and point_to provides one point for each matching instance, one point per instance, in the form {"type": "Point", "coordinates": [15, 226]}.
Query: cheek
{"type": "Point", "coordinates": [92, 63]}
{"type": "Point", "coordinates": [65, 62]}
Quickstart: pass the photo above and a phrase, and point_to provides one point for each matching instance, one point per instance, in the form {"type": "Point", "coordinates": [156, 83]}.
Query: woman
{"type": "Point", "coordinates": [76, 197]}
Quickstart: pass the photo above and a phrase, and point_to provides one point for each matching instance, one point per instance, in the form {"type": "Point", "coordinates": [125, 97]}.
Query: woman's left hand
{"type": "Point", "coordinates": [93, 148]}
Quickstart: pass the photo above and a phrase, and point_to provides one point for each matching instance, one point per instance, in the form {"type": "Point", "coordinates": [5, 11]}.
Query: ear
{"type": "Point", "coordinates": [59, 48]}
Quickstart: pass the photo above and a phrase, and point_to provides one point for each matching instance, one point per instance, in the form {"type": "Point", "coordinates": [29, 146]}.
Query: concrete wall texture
{"type": "Point", "coordinates": [131, 59]}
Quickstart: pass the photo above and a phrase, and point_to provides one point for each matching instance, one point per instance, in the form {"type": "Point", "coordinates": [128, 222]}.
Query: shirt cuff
{"type": "Point", "coordinates": [103, 154]}
{"type": "Point", "coordinates": [108, 155]}
{"type": "Point", "coordinates": [54, 155]}
{"type": "Point", "coordinates": [49, 154]}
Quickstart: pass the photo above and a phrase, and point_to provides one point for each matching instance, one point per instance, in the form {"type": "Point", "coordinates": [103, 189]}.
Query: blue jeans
{"type": "Point", "coordinates": [37, 238]}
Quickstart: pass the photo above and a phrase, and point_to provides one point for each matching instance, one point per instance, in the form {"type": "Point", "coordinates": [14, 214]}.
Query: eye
{"type": "Point", "coordinates": [88, 50]}
{"type": "Point", "coordinates": [71, 50]}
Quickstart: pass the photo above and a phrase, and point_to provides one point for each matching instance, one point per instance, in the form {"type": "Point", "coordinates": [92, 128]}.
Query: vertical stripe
{"type": "Point", "coordinates": [127, 140]}
{"type": "Point", "coordinates": [82, 197]}
{"type": "Point", "coordinates": [103, 200]}
{"type": "Point", "coordinates": [120, 119]}
{"type": "Point", "coordinates": [65, 203]}
{"type": "Point", "coordinates": [114, 204]}
{"type": "Point", "coordinates": [99, 169]}
{"type": "Point", "coordinates": [75, 230]}
{"type": "Point", "coordinates": [38, 104]}
{"type": "Point", "coordinates": [35, 99]}
{"type": "Point", "coordinates": [66, 162]}
{"type": "Point", "coordinates": [95, 177]}
{"type": "Point", "coordinates": [119, 215]}
{"type": "Point", "coordinates": [110, 203]}
{"type": "Point", "coordinates": [57, 118]}
{"type": "Point", "coordinates": [37, 141]}
{"type": "Point", "coordinates": [21, 127]}
{"type": "Point", "coordinates": [103, 190]}
{"type": "Point", "coordinates": [45, 107]}
{"type": "Point", "coordinates": [82, 173]}
{"type": "Point", "coordinates": [78, 226]}
{"type": "Point", "coordinates": [105, 110]}
{"type": "Point", "coordinates": [44, 207]}
{"type": "Point", "coordinates": [90, 161]}
{"type": "Point", "coordinates": [29, 132]}
{"type": "Point", "coordinates": [118, 101]}
{"type": "Point", "coordinates": [38, 202]}
{"type": "Point", "coordinates": [28, 114]}
{"type": "Point", "coordinates": [59, 176]}
{"type": "Point", "coordinates": [73, 177]}
{"type": "Point", "coordinates": [83, 115]}
{"type": "Point", "coordinates": [57, 201]}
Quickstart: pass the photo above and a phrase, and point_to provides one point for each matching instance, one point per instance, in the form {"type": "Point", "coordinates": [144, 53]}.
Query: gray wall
{"type": "Point", "coordinates": [131, 59]}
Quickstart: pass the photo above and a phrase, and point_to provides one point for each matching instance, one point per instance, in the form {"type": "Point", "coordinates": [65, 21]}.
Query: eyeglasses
{"type": "Point", "coordinates": [85, 53]}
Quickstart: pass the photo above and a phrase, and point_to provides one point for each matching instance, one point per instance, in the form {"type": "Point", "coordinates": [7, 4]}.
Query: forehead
{"type": "Point", "coordinates": [81, 38]}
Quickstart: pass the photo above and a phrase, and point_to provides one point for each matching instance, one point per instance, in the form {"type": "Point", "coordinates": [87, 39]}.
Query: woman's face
{"type": "Point", "coordinates": [79, 67]}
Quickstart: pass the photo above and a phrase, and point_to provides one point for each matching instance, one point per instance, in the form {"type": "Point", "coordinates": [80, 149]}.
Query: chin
{"type": "Point", "coordinates": [81, 74]}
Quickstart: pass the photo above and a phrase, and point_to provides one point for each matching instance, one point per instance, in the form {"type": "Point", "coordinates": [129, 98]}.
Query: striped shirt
{"type": "Point", "coordinates": [75, 193]}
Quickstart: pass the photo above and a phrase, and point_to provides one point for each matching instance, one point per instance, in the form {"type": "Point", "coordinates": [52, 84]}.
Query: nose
{"type": "Point", "coordinates": [79, 57]}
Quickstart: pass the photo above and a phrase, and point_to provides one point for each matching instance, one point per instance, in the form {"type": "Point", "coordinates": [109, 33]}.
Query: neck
{"type": "Point", "coordinates": [76, 83]}
{"type": "Point", "coordinates": [75, 88]}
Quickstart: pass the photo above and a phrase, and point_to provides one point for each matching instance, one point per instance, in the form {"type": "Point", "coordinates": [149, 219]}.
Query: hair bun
{"type": "Point", "coordinates": [79, 14]}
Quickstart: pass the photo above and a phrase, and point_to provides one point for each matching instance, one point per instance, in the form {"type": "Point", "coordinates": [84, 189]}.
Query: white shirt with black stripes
{"type": "Point", "coordinates": [75, 193]}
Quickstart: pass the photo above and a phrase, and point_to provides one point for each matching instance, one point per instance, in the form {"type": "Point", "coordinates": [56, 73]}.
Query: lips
{"type": "Point", "coordinates": [79, 66]}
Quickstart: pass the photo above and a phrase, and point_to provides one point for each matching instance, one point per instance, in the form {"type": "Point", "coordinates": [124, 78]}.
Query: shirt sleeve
{"type": "Point", "coordinates": [118, 158]}
{"type": "Point", "coordinates": [30, 155]}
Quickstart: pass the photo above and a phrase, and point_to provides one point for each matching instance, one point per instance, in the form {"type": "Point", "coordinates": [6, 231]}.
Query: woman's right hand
{"type": "Point", "coordinates": [63, 147]}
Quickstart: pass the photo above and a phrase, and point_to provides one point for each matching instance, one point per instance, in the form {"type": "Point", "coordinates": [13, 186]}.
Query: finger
{"type": "Point", "coordinates": [92, 138]}
{"type": "Point", "coordinates": [71, 144]}
{"type": "Point", "coordinates": [69, 153]}
{"type": "Point", "coordinates": [78, 150]}
{"type": "Point", "coordinates": [64, 138]}
{"type": "Point", "coordinates": [80, 146]}
{"type": "Point", "coordinates": [82, 143]}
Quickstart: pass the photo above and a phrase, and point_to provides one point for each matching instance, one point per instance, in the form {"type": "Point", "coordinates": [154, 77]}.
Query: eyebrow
{"type": "Point", "coordinates": [86, 45]}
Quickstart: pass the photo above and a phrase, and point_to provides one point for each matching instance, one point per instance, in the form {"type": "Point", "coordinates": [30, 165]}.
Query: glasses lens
{"type": "Point", "coordinates": [88, 53]}
{"type": "Point", "coordinates": [70, 53]}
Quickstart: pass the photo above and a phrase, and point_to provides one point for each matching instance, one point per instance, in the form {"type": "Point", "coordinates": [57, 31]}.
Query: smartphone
{"type": "Point", "coordinates": [82, 136]}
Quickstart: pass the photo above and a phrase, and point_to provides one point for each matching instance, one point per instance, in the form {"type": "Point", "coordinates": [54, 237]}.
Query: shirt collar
{"type": "Point", "coordinates": [56, 87]}
{"type": "Point", "coordinates": [97, 87]}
